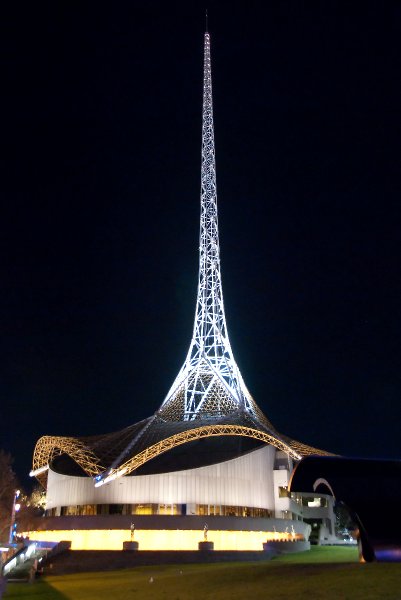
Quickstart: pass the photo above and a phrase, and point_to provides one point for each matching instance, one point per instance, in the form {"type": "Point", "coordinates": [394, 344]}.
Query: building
{"type": "Point", "coordinates": [207, 463]}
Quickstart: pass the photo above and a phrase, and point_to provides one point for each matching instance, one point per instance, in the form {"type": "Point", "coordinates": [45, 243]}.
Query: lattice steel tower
{"type": "Point", "coordinates": [209, 383]}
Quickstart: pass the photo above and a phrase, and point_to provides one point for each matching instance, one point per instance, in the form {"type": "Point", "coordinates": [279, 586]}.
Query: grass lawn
{"type": "Point", "coordinates": [327, 573]}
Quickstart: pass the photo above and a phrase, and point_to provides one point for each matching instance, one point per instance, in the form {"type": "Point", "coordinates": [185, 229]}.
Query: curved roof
{"type": "Point", "coordinates": [155, 445]}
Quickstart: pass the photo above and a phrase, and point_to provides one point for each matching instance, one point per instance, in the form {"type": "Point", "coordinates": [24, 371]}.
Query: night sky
{"type": "Point", "coordinates": [100, 187]}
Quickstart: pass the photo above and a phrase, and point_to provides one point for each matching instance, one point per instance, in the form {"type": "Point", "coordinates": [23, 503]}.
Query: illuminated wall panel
{"type": "Point", "coordinates": [162, 539]}
{"type": "Point", "coordinates": [243, 481]}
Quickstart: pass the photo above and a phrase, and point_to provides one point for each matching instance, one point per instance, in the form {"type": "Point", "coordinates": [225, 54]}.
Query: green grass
{"type": "Point", "coordinates": [323, 573]}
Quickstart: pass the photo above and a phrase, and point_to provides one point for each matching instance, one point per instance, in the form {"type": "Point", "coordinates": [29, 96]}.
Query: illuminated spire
{"type": "Point", "coordinates": [209, 383]}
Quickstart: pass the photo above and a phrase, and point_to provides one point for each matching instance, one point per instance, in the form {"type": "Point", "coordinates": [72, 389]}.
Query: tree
{"type": "Point", "coordinates": [8, 485]}
{"type": "Point", "coordinates": [32, 507]}
{"type": "Point", "coordinates": [344, 520]}
{"type": "Point", "coordinates": [37, 499]}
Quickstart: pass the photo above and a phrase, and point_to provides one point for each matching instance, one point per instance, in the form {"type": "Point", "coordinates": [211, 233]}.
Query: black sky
{"type": "Point", "coordinates": [101, 135]}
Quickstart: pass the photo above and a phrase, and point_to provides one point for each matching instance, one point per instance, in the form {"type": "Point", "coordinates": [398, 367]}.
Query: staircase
{"type": "Point", "coordinates": [27, 561]}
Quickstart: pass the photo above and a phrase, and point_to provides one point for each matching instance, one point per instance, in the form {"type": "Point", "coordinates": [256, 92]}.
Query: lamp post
{"type": "Point", "coordinates": [16, 507]}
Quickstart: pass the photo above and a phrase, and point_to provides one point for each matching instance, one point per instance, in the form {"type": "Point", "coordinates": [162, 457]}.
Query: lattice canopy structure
{"type": "Point", "coordinates": [114, 454]}
{"type": "Point", "coordinates": [208, 398]}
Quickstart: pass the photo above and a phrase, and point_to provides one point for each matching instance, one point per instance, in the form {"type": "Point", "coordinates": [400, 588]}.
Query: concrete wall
{"type": "Point", "coordinates": [281, 478]}
{"type": "Point", "coordinates": [86, 560]}
{"type": "Point", "coordinates": [161, 522]}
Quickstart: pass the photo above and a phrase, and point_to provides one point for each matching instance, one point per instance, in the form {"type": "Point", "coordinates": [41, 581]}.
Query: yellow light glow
{"type": "Point", "coordinates": [176, 539]}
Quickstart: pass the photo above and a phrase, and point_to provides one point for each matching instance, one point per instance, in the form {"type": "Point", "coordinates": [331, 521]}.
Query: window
{"type": "Point", "coordinates": [283, 491]}
{"type": "Point", "coordinates": [116, 509]}
{"type": "Point", "coordinates": [69, 511]}
{"type": "Point", "coordinates": [144, 509]}
{"type": "Point", "coordinates": [202, 509]}
{"type": "Point", "coordinates": [87, 509]}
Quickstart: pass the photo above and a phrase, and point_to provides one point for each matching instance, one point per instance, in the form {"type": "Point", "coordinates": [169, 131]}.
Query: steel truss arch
{"type": "Point", "coordinates": [48, 447]}
{"type": "Point", "coordinates": [195, 434]}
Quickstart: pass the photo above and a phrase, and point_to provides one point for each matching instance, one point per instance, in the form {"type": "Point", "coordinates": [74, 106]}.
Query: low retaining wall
{"type": "Point", "coordinates": [286, 547]}
{"type": "Point", "coordinates": [80, 561]}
